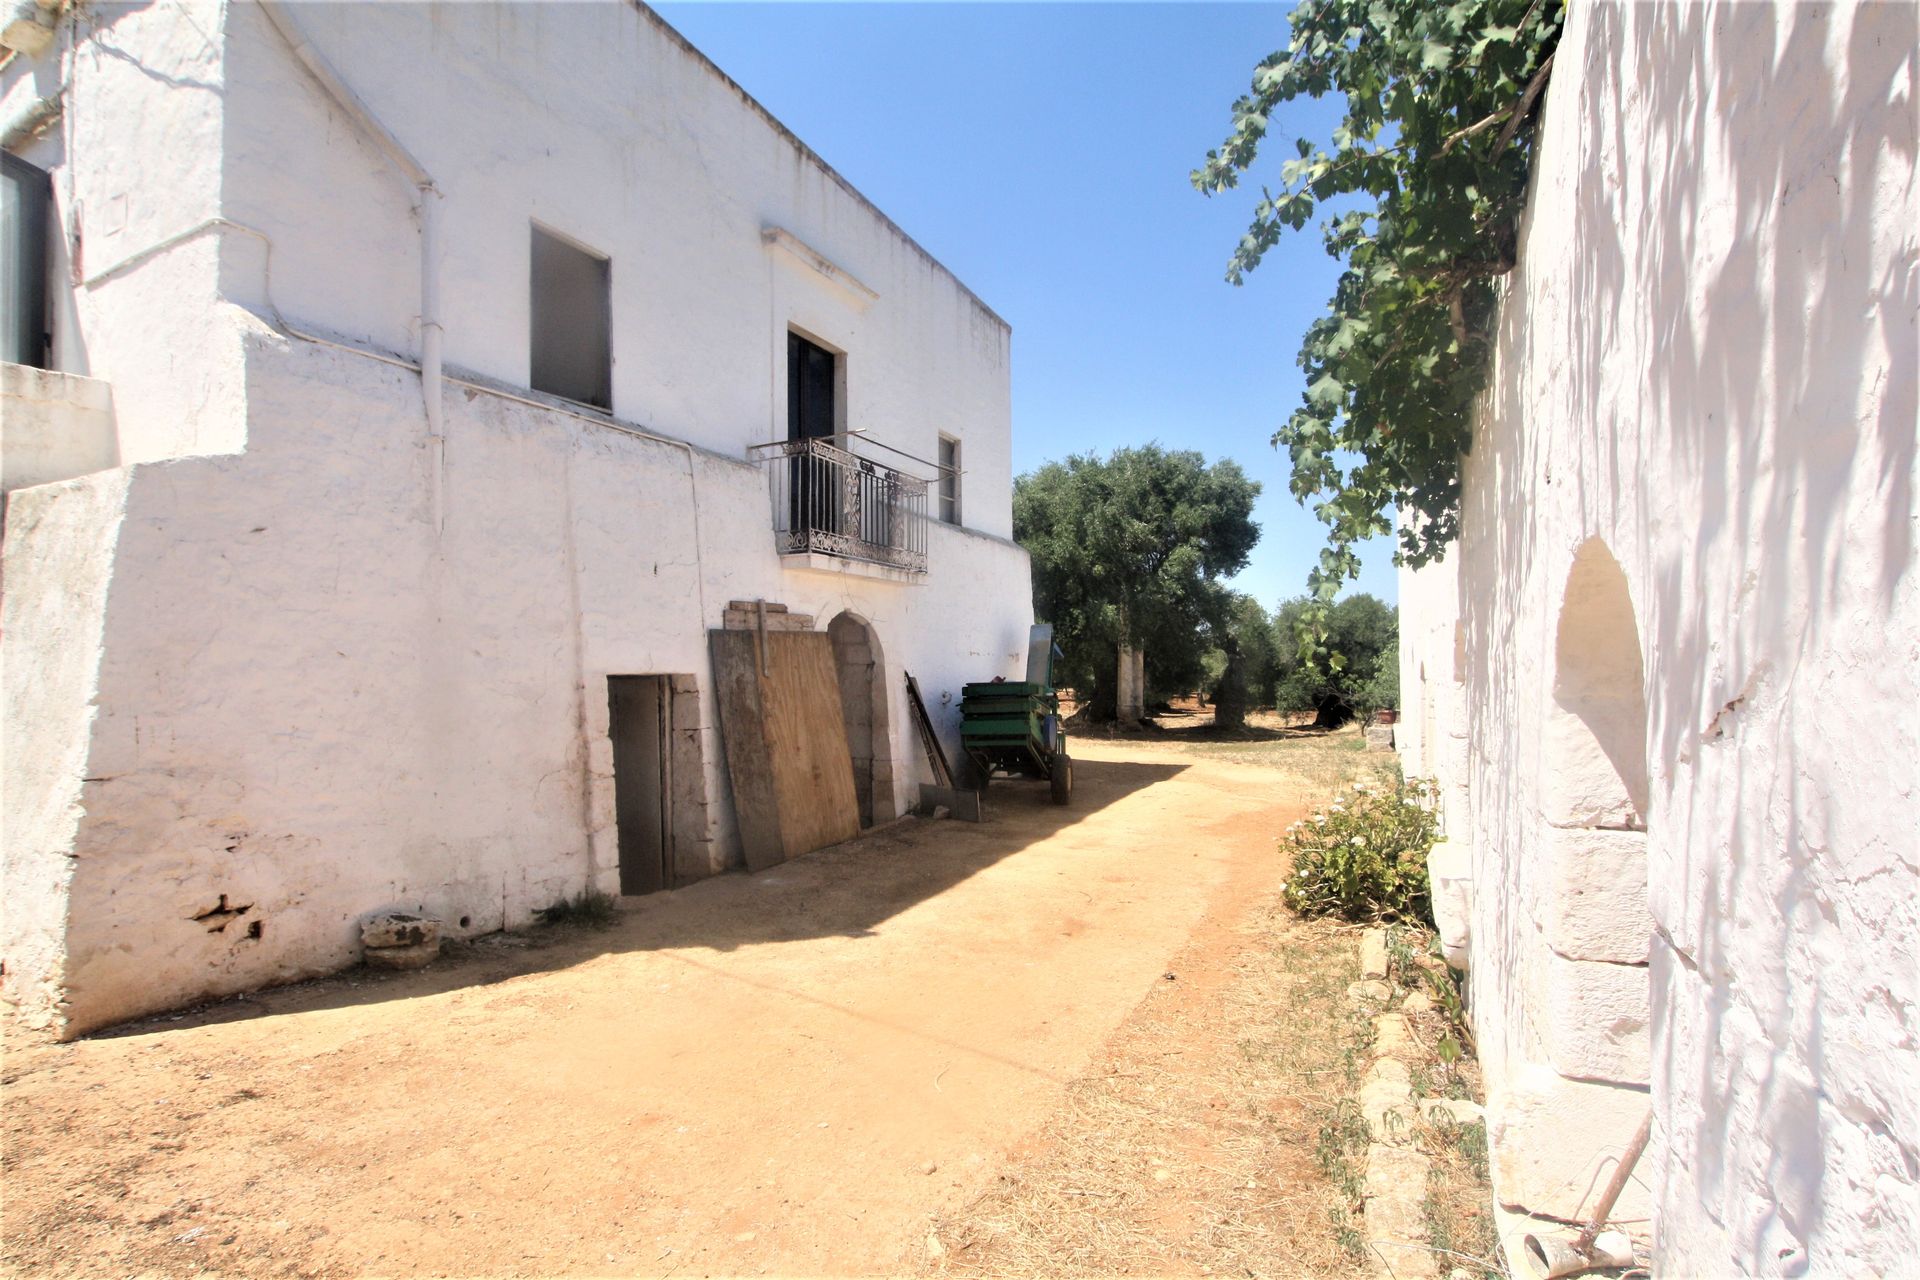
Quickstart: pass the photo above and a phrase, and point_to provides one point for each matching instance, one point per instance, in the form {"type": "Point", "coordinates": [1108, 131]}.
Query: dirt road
{"type": "Point", "coordinates": [795, 1072]}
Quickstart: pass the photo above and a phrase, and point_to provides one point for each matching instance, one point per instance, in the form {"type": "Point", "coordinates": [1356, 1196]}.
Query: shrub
{"type": "Point", "coordinates": [1364, 857]}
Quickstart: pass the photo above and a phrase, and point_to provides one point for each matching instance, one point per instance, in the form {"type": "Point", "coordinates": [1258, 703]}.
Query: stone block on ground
{"type": "Point", "coordinates": [1396, 1221]}
{"type": "Point", "coordinates": [417, 956]}
{"type": "Point", "coordinates": [1373, 953]}
{"type": "Point", "coordinates": [1393, 1036]}
{"type": "Point", "coordinates": [1450, 880]}
{"type": "Point", "coordinates": [386, 929]}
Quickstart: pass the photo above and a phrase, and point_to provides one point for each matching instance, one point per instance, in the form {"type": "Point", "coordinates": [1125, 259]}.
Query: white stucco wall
{"type": "Point", "coordinates": [1707, 363]}
{"type": "Point", "coordinates": [290, 691]}
{"type": "Point", "coordinates": [143, 96]}
{"type": "Point", "coordinates": [597, 122]}
{"type": "Point", "coordinates": [53, 426]}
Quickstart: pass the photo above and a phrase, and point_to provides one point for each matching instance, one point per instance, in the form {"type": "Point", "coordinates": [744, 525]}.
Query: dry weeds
{"type": "Point", "coordinates": [1189, 1148]}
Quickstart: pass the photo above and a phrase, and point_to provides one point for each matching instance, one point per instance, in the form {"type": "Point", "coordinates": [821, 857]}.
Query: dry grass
{"type": "Point", "coordinates": [1190, 1148]}
{"type": "Point", "coordinates": [1315, 761]}
{"type": "Point", "coordinates": [1458, 1200]}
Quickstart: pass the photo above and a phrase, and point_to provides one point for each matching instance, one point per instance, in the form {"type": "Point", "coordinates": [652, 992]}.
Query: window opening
{"type": "Point", "coordinates": [949, 480]}
{"type": "Point", "coordinates": [571, 341]}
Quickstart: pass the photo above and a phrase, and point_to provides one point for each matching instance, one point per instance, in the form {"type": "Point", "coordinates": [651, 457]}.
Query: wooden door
{"type": "Point", "coordinates": [639, 713]}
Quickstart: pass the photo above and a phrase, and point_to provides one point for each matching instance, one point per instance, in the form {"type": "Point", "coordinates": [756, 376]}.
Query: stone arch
{"type": "Point", "coordinates": [1594, 802]}
{"type": "Point", "coordinates": [1583, 968]}
{"type": "Point", "coordinates": [1597, 727]}
{"type": "Point", "coordinates": [861, 667]}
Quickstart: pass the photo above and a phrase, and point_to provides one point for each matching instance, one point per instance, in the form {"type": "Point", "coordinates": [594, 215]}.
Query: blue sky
{"type": "Point", "coordinates": [1041, 151]}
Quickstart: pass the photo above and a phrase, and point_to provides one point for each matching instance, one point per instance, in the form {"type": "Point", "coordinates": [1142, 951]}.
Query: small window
{"type": "Point", "coordinates": [570, 343]}
{"type": "Point", "coordinates": [949, 480]}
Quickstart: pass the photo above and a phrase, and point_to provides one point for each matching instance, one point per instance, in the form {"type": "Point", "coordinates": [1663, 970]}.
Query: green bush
{"type": "Point", "coordinates": [1364, 857]}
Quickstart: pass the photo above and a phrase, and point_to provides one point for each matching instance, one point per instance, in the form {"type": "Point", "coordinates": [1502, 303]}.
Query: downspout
{"type": "Point", "coordinates": [432, 332]}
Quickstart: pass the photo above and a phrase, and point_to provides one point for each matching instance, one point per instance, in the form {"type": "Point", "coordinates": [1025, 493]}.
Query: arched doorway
{"type": "Point", "coordinates": [1597, 730]}
{"type": "Point", "coordinates": [863, 703]}
{"type": "Point", "coordinates": [1584, 974]}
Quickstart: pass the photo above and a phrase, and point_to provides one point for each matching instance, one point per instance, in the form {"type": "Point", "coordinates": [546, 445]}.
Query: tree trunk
{"type": "Point", "coordinates": [1131, 695]}
{"type": "Point", "coordinates": [1331, 713]}
{"type": "Point", "coordinates": [1230, 696]}
{"type": "Point", "coordinates": [1101, 698]}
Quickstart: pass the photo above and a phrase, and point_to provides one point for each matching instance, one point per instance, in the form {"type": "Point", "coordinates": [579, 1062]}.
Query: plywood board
{"type": "Point", "coordinates": [736, 688]}
{"type": "Point", "coordinates": [806, 736]}
{"type": "Point", "coordinates": [785, 738]}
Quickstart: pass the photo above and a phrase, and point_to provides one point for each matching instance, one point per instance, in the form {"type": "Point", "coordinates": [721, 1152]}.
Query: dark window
{"type": "Point", "coordinates": [816, 499]}
{"type": "Point", "coordinates": [571, 344]}
{"type": "Point", "coordinates": [811, 374]}
{"type": "Point", "coordinates": [949, 480]}
{"type": "Point", "coordinates": [26, 199]}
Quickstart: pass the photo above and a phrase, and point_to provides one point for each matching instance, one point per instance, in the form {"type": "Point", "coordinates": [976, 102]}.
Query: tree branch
{"type": "Point", "coordinates": [1534, 86]}
{"type": "Point", "coordinates": [1513, 114]}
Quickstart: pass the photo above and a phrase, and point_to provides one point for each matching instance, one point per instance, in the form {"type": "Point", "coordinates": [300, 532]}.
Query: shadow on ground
{"type": "Point", "coordinates": [846, 890]}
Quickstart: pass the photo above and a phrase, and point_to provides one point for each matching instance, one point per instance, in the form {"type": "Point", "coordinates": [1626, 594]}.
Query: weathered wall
{"type": "Point", "coordinates": [290, 691]}
{"type": "Point", "coordinates": [1706, 375]}
{"type": "Point", "coordinates": [599, 123]}
{"type": "Point", "coordinates": [53, 426]}
{"type": "Point", "coordinates": [55, 567]}
{"type": "Point", "coordinates": [144, 103]}
{"type": "Point", "coordinates": [312, 706]}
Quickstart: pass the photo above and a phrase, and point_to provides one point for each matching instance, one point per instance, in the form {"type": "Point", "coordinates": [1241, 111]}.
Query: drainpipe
{"type": "Point", "coordinates": [432, 332]}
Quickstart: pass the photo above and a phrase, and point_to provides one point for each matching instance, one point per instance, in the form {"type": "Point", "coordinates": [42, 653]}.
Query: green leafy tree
{"type": "Point", "coordinates": [1423, 184]}
{"type": "Point", "coordinates": [1242, 671]}
{"type": "Point", "coordinates": [1130, 549]}
{"type": "Point", "coordinates": [1364, 634]}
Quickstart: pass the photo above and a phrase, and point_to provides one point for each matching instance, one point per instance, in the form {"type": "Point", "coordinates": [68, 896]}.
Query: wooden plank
{"type": "Point", "coordinates": [806, 736]}
{"type": "Point", "coordinates": [936, 754]}
{"type": "Point", "coordinates": [736, 689]}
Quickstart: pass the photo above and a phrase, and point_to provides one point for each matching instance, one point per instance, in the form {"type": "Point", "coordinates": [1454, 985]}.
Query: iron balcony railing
{"type": "Point", "coordinates": [830, 501]}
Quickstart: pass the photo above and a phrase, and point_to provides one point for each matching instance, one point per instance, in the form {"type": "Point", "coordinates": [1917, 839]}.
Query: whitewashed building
{"type": "Point", "coordinates": [1669, 677]}
{"type": "Point", "coordinates": [395, 391]}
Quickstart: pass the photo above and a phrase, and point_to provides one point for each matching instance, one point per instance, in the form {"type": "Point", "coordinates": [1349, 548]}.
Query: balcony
{"type": "Point", "coordinates": [836, 510]}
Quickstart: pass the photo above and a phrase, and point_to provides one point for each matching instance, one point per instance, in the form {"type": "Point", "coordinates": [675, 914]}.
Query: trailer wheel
{"type": "Point", "coordinates": [1062, 779]}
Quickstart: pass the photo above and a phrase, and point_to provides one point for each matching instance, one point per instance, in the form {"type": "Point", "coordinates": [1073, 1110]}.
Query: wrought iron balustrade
{"type": "Point", "coordinates": [828, 500]}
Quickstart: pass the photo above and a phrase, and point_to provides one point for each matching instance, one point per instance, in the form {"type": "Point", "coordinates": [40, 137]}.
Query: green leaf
{"type": "Point", "coordinates": [1394, 367]}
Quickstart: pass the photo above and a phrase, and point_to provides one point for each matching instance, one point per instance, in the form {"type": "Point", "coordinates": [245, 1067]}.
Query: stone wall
{"type": "Point", "coordinates": [291, 653]}
{"type": "Point", "coordinates": [1684, 621]}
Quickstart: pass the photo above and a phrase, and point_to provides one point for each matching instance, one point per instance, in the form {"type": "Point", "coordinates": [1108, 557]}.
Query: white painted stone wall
{"type": "Point", "coordinates": [1706, 372]}
{"type": "Point", "coordinates": [279, 686]}
{"type": "Point", "coordinates": [53, 426]}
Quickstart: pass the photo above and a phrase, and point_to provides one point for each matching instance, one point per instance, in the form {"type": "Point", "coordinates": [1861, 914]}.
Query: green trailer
{"type": "Point", "coordinates": [1011, 729]}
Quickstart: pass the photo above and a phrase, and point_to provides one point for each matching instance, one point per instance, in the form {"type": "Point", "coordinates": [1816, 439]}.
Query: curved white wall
{"type": "Point", "coordinates": [1706, 359]}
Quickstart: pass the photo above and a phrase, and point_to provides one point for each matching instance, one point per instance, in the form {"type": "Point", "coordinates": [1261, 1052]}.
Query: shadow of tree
{"type": "Point", "coordinates": [1708, 359]}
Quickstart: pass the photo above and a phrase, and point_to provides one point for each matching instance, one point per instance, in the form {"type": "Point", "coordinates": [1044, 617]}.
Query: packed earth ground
{"type": "Point", "coordinates": [1066, 1040]}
